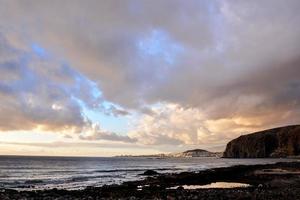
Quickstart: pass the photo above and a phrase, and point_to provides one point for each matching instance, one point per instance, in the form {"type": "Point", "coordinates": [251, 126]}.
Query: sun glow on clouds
{"type": "Point", "coordinates": [56, 107]}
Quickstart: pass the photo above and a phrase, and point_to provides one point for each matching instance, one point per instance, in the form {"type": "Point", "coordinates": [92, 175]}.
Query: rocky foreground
{"type": "Point", "coordinates": [272, 181]}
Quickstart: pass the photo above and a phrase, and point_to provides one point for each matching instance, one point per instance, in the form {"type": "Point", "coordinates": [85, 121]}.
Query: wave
{"type": "Point", "coordinates": [86, 178]}
{"type": "Point", "coordinates": [137, 170]}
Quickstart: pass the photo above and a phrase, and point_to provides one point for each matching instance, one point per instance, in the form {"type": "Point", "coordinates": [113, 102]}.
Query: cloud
{"type": "Point", "coordinates": [222, 47]}
{"type": "Point", "coordinates": [227, 68]}
{"type": "Point", "coordinates": [41, 92]}
{"type": "Point", "coordinates": [168, 124]}
{"type": "Point", "coordinates": [94, 133]}
{"type": "Point", "coordinates": [172, 124]}
{"type": "Point", "coordinates": [32, 94]}
{"type": "Point", "coordinates": [60, 144]}
{"type": "Point", "coordinates": [116, 111]}
{"type": "Point", "coordinates": [101, 135]}
{"type": "Point", "coordinates": [128, 48]}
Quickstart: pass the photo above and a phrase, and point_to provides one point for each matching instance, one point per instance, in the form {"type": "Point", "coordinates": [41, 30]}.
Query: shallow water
{"type": "Point", "coordinates": [27, 173]}
{"type": "Point", "coordinates": [214, 186]}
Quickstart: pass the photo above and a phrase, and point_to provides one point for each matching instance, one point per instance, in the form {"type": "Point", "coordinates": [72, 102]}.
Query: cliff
{"type": "Point", "coordinates": [278, 142]}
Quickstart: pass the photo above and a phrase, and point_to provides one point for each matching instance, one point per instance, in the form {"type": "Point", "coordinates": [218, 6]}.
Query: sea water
{"type": "Point", "coordinates": [32, 173]}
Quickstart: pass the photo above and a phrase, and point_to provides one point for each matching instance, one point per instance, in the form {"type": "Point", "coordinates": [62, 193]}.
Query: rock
{"type": "Point", "coordinates": [278, 142]}
{"type": "Point", "coordinates": [279, 183]}
{"type": "Point", "coordinates": [180, 188]}
{"type": "Point", "coordinates": [150, 173]}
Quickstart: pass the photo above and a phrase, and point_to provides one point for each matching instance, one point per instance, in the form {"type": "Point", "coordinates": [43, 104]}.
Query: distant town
{"type": "Point", "coordinates": [185, 154]}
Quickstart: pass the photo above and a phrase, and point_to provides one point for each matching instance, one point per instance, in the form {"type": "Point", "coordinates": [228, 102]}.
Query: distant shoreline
{"type": "Point", "coordinates": [186, 154]}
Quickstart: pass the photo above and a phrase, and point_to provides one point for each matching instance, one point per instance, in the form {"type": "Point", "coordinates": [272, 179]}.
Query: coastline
{"type": "Point", "coordinates": [268, 181]}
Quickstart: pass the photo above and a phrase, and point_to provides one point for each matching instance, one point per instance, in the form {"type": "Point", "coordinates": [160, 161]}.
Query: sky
{"type": "Point", "coordinates": [115, 77]}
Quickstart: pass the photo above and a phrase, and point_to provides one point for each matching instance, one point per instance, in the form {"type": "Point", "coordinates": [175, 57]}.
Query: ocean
{"type": "Point", "coordinates": [33, 173]}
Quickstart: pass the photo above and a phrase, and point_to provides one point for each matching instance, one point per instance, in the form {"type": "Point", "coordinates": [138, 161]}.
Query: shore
{"type": "Point", "coordinates": [271, 181]}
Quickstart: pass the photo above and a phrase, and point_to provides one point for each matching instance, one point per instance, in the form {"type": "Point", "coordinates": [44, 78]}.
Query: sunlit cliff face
{"type": "Point", "coordinates": [101, 78]}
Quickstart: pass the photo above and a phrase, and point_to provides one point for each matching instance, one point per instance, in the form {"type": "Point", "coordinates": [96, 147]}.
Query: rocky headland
{"type": "Point", "coordinates": [274, 143]}
{"type": "Point", "coordinates": [196, 153]}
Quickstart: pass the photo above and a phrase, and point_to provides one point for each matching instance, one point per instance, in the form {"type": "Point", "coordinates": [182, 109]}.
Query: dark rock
{"type": "Point", "coordinates": [150, 173]}
{"type": "Point", "coordinates": [278, 142]}
{"type": "Point", "coordinates": [180, 188]}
